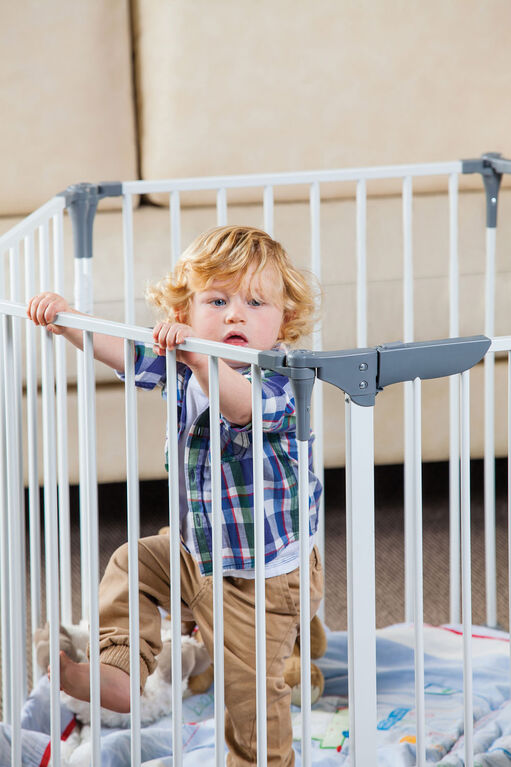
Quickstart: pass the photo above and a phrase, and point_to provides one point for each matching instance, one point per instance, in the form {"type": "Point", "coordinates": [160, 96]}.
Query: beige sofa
{"type": "Point", "coordinates": [170, 88]}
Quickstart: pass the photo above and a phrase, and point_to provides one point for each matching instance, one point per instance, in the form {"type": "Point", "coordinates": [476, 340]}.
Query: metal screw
{"type": "Point", "coordinates": [494, 200]}
{"type": "Point", "coordinates": [362, 366]}
{"type": "Point", "coordinates": [362, 385]}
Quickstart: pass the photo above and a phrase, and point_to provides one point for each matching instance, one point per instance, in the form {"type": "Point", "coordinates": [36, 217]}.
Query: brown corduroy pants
{"type": "Point", "coordinates": [282, 622]}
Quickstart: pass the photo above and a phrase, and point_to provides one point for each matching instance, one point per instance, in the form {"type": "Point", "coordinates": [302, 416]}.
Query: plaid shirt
{"type": "Point", "coordinates": [280, 470]}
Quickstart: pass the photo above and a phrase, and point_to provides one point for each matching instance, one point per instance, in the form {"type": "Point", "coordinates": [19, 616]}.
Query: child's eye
{"type": "Point", "coordinates": [255, 302]}
{"type": "Point", "coordinates": [218, 302]}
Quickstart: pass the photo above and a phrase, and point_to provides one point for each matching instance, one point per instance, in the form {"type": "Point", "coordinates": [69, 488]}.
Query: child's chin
{"type": "Point", "coordinates": [235, 363]}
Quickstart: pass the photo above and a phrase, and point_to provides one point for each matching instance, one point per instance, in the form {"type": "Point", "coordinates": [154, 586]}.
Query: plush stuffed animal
{"type": "Point", "coordinates": [292, 667]}
{"type": "Point", "coordinates": [156, 699]}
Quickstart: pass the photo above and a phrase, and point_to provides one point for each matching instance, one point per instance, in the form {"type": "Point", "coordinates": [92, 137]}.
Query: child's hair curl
{"type": "Point", "coordinates": [225, 253]}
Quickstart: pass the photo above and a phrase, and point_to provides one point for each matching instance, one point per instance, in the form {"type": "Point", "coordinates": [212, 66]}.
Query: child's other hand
{"type": "Point", "coordinates": [43, 308]}
{"type": "Point", "coordinates": [168, 336]}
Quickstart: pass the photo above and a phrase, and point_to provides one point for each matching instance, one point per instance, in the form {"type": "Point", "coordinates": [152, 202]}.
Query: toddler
{"type": "Point", "coordinates": [236, 285]}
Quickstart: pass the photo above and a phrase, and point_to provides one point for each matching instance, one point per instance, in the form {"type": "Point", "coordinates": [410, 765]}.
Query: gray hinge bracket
{"type": "Point", "coordinates": [491, 166]}
{"type": "Point", "coordinates": [81, 204]}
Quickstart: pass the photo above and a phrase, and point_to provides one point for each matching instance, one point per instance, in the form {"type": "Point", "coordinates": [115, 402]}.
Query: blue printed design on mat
{"type": "Point", "coordinates": [393, 718]}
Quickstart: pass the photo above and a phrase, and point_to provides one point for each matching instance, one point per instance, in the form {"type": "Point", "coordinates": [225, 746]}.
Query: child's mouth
{"type": "Point", "coordinates": [236, 339]}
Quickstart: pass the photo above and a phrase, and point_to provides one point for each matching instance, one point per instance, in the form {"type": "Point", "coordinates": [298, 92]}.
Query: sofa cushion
{"type": "Point", "coordinates": [235, 88]}
{"type": "Point", "coordinates": [66, 99]}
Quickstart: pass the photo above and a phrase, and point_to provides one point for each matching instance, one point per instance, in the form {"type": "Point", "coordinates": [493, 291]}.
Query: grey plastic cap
{"type": "Point", "coordinates": [491, 166]}
{"type": "Point", "coordinates": [81, 203]}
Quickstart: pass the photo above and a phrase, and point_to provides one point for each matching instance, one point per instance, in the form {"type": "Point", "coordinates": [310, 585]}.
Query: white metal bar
{"type": "Point", "coordinates": [221, 207]}
{"type": "Point", "coordinates": [216, 504]}
{"type": "Point", "coordinates": [268, 206]}
{"type": "Point", "coordinates": [318, 391]}
{"type": "Point", "coordinates": [133, 536]}
{"type": "Point", "coordinates": [91, 514]}
{"type": "Point", "coordinates": [62, 431]}
{"type": "Point", "coordinates": [51, 532]}
{"type": "Point", "coordinates": [509, 502]}
{"type": "Point", "coordinates": [16, 371]}
{"type": "Point", "coordinates": [489, 437]}
{"type": "Point", "coordinates": [5, 630]}
{"type": "Point", "coordinates": [175, 562]}
{"type": "Point", "coordinates": [305, 177]}
{"type": "Point", "coordinates": [83, 294]}
{"type": "Point", "coordinates": [260, 581]}
{"type": "Point", "coordinates": [361, 583]}
{"type": "Point", "coordinates": [408, 394]}
{"type": "Point", "coordinates": [129, 266]}
{"type": "Point", "coordinates": [454, 411]}
{"type": "Point", "coordinates": [466, 568]}
{"type": "Point", "coordinates": [361, 263]}
{"type": "Point", "coordinates": [15, 598]}
{"type": "Point", "coordinates": [29, 224]}
{"type": "Point", "coordinates": [420, 707]}
{"type": "Point", "coordinates": [500, 344]}
{"type": "Point", "coordinates": [305, 613]}
{"type": "Point", "coordinates": [175, 227]}
{"type": "Point", "coordinates": [32, 453]}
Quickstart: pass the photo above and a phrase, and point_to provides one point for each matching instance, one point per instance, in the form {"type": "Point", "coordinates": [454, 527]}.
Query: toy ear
{"type": "Point", "coordinates": [195, 658]}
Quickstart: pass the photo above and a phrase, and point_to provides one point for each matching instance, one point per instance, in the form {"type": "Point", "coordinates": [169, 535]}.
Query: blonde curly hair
{"type": "Point", "coordinates": [225, 253]}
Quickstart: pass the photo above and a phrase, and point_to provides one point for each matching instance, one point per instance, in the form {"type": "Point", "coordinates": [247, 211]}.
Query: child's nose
{"type": "Point", "coordinates": [235, 312]}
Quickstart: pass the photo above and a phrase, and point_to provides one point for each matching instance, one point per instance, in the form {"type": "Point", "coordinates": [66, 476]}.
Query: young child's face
{"type": "Point", "coordinates": [247, 314]}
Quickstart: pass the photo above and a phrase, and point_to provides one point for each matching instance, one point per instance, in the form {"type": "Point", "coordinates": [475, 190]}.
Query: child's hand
{"type": "Point", "coordinates": [43, 308]}
{"type": "Point", "coordinates": [168, 336]}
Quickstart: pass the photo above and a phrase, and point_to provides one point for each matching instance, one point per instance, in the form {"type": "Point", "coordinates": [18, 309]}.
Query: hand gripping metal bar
{"type": "Point", "coordinates": [491, 166]}
{"type": "Point", "coordinates": [81, 203]}
{"type": "Point", "coordinates": [362, 373]}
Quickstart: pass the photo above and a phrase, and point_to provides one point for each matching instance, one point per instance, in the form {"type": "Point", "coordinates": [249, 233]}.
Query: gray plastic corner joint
{"type": "Point", "coordinates": [81, 203]}
{"type": "Point", "coordinates": [362, 373]}
{"type": "Point", "coordinates": [491, 166]}
{"type": "Point", "coordinates": [302, 381]}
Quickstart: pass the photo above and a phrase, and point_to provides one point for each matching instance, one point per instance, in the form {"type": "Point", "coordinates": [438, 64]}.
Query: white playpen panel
{"type": "Point", "coordinates": [359, 459]}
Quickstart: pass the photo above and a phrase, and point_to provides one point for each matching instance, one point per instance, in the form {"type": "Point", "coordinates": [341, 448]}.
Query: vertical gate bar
{"type": "Point", "coordinates": [305, 613]}
{"type": "Point", "coordinates": [175, 575]}
{"type": "Point", "coordinates": [318, 391]}
{"type": "Point", "coordinates": [91, 513]}
{"type": "Point", "coordinates": [133, 536]}
{"type": "Point", "coordinates": [466, 568]}
{"type": "Point", "coordinates": [175, 227]}
{"type": "Point", "coordinates": [361, 263]}
{"type": "Point", "coordinates": [509, 502]}
{"type": "Point", "coordinates": [14, 524]}
{"type": "Point", "coordinates": [221, 207]}
{"type": "Point", "coordinates": [408, 393]}
{"type": "Point", "coordinates": [361, 583]}
{"type": "Point", "coordinates": [51, 531]}
{"type": "Point", "coordinates": [216, 498]}
{"type": "Point", "coordinates": [129, 269]}
{"type": "Point", "coordinates": [62, 442]}
{"type": "Point", "coordinates": [454, 411]}
{"type": "Point", "coordinates": [5, 630]}
{"type": "Point", "coordinates": [260, 581]}
{"type": "Point", "coordinates": [33, 454]}
{"type": "Point", "coordinates": [16, 295]}
{"type": "Point", "coordinates": [268, 210]}
{"type": "Point", "coordinates": [489, 436]}
{"type": "Point", "coordinates": [418, 577]}
{"type": "Point", "coordinates": [83, 302]}
{"type": "Point", "coordinates": [51, 534]}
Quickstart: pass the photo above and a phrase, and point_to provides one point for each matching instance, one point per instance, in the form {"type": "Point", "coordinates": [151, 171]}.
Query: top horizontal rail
{"type": "Point", "coordinates": [136, 333]}
{"type": "Point", "coordinates": [285, 179]}
{"type": "Point", "coordinates": [31, 222]}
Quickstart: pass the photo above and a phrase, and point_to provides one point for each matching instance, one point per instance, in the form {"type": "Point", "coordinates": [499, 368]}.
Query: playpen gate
{"type": "Point", "coordinates": [360, 373]}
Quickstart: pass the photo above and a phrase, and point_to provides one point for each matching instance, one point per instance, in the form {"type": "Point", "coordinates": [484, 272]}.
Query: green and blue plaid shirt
{"type": "Point", "coordinates": [280, 470]}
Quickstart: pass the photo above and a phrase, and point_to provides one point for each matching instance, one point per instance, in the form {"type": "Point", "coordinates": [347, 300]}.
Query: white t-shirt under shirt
{"type": "Point", "coordinates": [288, 558]}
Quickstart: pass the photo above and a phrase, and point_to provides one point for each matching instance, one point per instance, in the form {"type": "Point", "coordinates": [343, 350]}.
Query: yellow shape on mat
{"type": "Point", "coordinates": [408, 739]}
